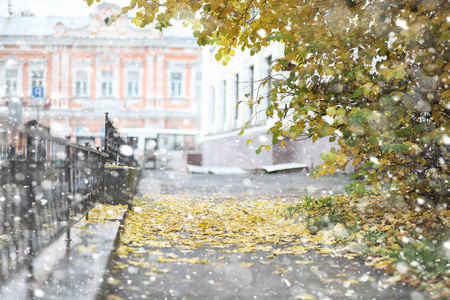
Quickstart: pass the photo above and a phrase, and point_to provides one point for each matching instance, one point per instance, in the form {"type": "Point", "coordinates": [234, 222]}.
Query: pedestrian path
{"type": "Point", "coordinates": [189, 245]}
{"type": "Point", "coordinates": [205, 237]}
{"type": "Point", "coordinates": [73, 267]}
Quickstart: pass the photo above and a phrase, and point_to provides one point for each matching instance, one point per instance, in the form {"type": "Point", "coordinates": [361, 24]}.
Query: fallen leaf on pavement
{"type": "Point", "coordinates": [305, 297]}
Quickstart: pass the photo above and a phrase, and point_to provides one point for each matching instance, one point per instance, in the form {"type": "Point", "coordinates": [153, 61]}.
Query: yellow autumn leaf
{"type": "Point", "coordinates": [165, 260]}
{"type": "Point", "coordinates": [193, 260]}
{"type": "Point", "coordinates": [395, 246]}
{"type": "Point", "coordinates": [246, 264]}
{"type": "Point", "coordinates": [156, 270]}
{"type": "Point", "coordinates": [281, 271]}
{"type": "Point", "coordinates": [305, 297]}
{"type": "Point", "coordinates": [113, 297]}
{"type": "Point", "coordinates": [298, 249]}
{"type": "Point", "coordinates": [351, 281]}
{"type": "Point", "coordinates": [114, 281]}
{"type": "Point", "coordinates": [393, 279]}
{"type": "Point", "coordinates": [120, 266]}
{"type": "Point", "coordinates": [171, 255]}
{"type": "Point", "coordinates": [139, 264]}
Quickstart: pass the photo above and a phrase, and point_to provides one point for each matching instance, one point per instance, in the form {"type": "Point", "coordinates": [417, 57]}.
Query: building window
{"type": "Point", "coordinates": [266, 90]}
{"type": "Point", "coordinates": [81, 84]}
{"type": "Point", "coordinates": [251, 76]}
{"type": "Point", "coordinates": [213, 108]}
{"type": "Point", "coordinates": [224, 102]}
{"type": "Point", "coordinates": [133, 84]}
{"type": "Point", "coordinates": [11, 82]}
{"type": "Point", "coordinates": [37, 78]}
{"type": "Point", "coordinates": [11, 76]}
{"type": "Point", "coordinates": [107, 83]}
{"type": "Point", "coordinates": [236, 91]}
{"type": "Point", "coordinates": [176, 86]}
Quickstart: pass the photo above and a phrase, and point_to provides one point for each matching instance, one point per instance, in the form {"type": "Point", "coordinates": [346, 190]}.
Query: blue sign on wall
{"type": "Point", "coordinates": [38, 92]}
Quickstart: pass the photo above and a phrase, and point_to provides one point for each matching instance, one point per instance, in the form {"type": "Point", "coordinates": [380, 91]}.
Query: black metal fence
{"type": "Point", "coordinates": [46, 185]}
{"type": "Point", "coordinates": [117, 148]}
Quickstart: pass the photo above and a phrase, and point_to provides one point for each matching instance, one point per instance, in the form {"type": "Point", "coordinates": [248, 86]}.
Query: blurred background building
{"type": "Point", "coordinates": [226, 91]}
{"type": "Point", "coordinates": [66, 72]}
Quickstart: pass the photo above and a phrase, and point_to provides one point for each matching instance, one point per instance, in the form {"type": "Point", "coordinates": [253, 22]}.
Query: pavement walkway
{"type": "Point", "coordinates": [71, 268]}
{"type": "Point", "coordinates": [143, 274]}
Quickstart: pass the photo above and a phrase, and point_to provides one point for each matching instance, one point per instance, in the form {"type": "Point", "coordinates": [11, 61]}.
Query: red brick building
{"type": "Point", "coordinates": [148, 81]}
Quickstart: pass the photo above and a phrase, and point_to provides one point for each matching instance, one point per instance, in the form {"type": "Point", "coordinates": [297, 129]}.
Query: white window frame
{"type": "Point", "coordinates": [133, 84]}
{"type": "Point", "coordinates": [250, 90]}
{"type": "Point", "coordinates": [11, 82]}
{"type": "Point", "coordinates": [223, 105]}
{"type": "Point", "coordinates": [237, 96]}
{"type": "Point", "coordinates": [107, 61]}
{"type": "Point", "coordinates": [38, 80]}
{"type": "Point", "coordinates": [37, 65]}
{"type": "Point", "coordinates": [213, 113]}
{"type": "Point", "coordinates": [136, 84]}
{"type": "Point", "coordinates": [80, 86]}
{"type": "Point", "coordinates": [179, 67]}
{"type": "Point", "coordinates": [176, 85]}
{"type": "Point", "coordinates": [81, 66]}
{"type": "Point", "coordinates": [265, 102]}
{"type": "Point", "coordinates": [106, 84]}
{"type": "Point", "coordinates": [11, 63]}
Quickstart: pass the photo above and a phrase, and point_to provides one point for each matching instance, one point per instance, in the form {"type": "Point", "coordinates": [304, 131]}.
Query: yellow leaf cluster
{"type": "Point", "coordinates": [249, 225]}
{"type": "Point", "coordinates": [103, 212]}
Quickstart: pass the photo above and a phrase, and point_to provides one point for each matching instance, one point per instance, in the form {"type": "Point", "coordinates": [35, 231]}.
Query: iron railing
{"type": "Point", "coordinates": [117, 148]}
{"type": "Point", "coordinates": [46, 185]}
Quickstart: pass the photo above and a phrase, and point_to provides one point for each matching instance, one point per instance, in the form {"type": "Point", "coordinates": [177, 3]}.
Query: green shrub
{"type": "Point", "coordinates": [318, 213]}
{"type": "Point", "coordinates": [426, 255]}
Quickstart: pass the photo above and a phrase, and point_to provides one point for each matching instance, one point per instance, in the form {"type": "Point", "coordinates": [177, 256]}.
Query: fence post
{"type": "Point", "coordinates": [87, 178]}
{"type": "Point", "coordinates": [106, 149]}
{"type": "Point", "coordinates": [30, 197]}
{"type": "Point", "coordinates": [29, 228]}
{"type": "Point", "coordinates": [68, 192]}
{"type": "Point", "coordinates": [12, 156]}
{"type": "Point", "coordinates": [101, 175]}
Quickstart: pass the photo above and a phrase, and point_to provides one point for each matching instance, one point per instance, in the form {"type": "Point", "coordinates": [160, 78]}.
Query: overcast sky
{"type": "Point", "coordinates": [53, 7]}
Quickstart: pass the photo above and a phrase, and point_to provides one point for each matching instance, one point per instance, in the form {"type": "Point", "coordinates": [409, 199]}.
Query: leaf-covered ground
{"type": "Point", "coordinates": [240, 244]}
{"type": "Point", "coordinates": [413, 243]}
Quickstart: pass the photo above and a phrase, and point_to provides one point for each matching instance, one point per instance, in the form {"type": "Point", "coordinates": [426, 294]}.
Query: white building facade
{"type": "Point", "coordinates": [223, 87]}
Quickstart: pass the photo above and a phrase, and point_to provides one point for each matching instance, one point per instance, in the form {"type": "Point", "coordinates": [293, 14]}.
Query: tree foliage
{"type": "Point", "coordinates": [372, 75]}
